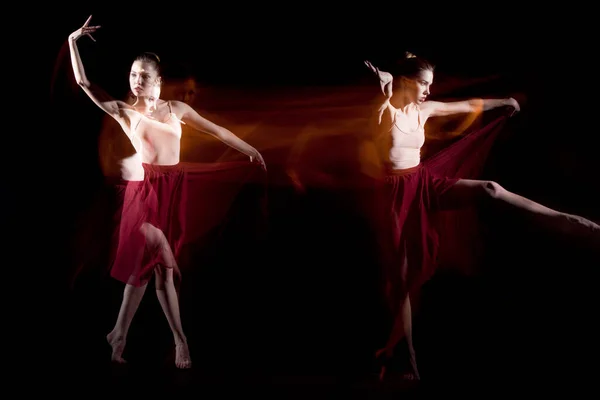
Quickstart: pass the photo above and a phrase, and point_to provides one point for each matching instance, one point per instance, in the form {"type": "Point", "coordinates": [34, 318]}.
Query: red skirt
{"type": "Point", "coordinates": [418, 233]}
{"type": "Point", "coordinates": [413, 196]}
{"type": "Point", "coordinates": [158, 218]}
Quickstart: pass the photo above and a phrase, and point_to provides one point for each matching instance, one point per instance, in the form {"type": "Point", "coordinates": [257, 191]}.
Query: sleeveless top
{"type": "Point", "coordinates": [403, 148]}
{"type": "Point", "coordinates": [158, 139]}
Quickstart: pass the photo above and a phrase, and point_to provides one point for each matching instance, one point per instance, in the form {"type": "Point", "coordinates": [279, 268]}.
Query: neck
{"type": "Point", "coordinates": [142, 106]}
{"type": "Point", "coordinates": [402, 104]}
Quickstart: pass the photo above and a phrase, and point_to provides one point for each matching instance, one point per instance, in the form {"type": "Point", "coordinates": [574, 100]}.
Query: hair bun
{"type": "Point", "coordinates": [151, 54]}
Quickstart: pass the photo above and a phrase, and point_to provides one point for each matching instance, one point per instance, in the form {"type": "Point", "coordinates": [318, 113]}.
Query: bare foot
{"type": "Point", "coordinates": [383, 356]}
{"type": "Point", "coordinates": [582, 227]}
{"type": "Point", "coordinates": [409, 376]}
{"type": "Point", "coordinates": [182, 356]}
{"type": "Point", "coordinates": [414, 375]}
{"type": "Point", "coordinates": [117, 342]}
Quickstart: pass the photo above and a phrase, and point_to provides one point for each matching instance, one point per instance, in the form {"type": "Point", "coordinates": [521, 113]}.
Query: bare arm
{"type": "Point", "coordinates": [98, 96]}
{"type": "Point", "coordinates": [191, 117]}
{"type": "Point", "coordinates": [385, 110]}
{"type": "Point", "coordinates": [438, 108]}
{"type": "Point", "coordinates": [385, 79]}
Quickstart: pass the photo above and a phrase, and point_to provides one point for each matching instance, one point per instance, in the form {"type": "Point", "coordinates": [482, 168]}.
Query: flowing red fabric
{"type": "Point", "coordinates": [423, 235]}
{"type": "Point", "coordinates": [154, 221]}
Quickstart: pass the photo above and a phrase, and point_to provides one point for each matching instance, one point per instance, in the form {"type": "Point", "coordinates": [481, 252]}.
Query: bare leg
{"type": "Point", "coordinates": [401, 328]}
{"type": "Point", "coordinates": [166, 292]}
{"type": "Point", "coordinates": [132, 296]}
{"type": "Point", "coordinates": [169, 301]}
{"type": "Point", "coordinates": [407, 328]}
{"type": "Point", "coordinates": [467, 192]}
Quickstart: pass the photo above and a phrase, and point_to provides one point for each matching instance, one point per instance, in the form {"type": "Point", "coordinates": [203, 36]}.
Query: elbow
{"type": "Point", "coordinates": [83, 83]}
{"type": "Point", "coordinates": [477, 105]}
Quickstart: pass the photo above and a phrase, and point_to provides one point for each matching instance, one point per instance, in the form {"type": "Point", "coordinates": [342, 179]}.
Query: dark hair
{"type": "Point", "coordinates": [410, 66]}
{"type": "Point", "coordinates": [152, 59]}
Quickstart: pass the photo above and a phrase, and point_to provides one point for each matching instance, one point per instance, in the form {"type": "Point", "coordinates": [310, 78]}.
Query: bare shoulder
{"type": "Point", "coordinates": [178, 105]}
{"type": "Point", "coordinates": [180, 108]}
{"type": "Point", "coordinates": [429, 107]}
{"type": "Point", "coordinates": [120, 109]}
{"type": "Point", "coordinates": [186, 113]}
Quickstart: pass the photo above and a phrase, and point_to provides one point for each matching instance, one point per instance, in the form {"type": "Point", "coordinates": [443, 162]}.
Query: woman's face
{"type": "Point", "coordinates": [418, 88]}
{"type": "Point", "coordinates": [142, 78]}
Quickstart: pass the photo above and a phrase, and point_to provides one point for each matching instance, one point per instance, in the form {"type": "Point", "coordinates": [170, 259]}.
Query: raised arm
{"type": "Point", "coordinates": [385, 110]}
{"type": "Point", "coordinates": [191, 117]}
{"type": "Point", "coordinates": [385, 79]}
{"type": "Point", "coordinates": [438, 108]}
{"type": "Point", "coordinates": [98, 96]}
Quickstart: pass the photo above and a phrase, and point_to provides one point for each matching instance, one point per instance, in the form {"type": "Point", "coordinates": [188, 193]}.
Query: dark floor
{"type": "Point", "coordinates": [483, 334]}
{"type": "Point", "coordinates": [274, 318]}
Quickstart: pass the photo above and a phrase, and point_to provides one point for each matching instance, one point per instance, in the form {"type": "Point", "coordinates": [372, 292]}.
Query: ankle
{"type": "Point", "coordinates": [180, 341]}
{"type": "Point", "coordinates": [116, 335]}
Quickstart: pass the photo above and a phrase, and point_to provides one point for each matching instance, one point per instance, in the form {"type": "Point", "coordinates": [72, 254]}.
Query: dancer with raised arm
{"type": "Point", "coordinates": [153, 209]}
{"type": "Point", "coordinates": [416, 189]}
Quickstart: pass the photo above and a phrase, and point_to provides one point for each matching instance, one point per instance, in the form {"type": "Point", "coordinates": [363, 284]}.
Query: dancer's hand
{"type": "Point", "coordinates": [511, 102]}
{"type": "Point", "coordinates": [371, 67]}
{"type": "Point", "coordinates": [84, 30]}
{"type": "Point", "coordinates": [382, 75]}
{"type": "Point", "coordinates": [257, 157]}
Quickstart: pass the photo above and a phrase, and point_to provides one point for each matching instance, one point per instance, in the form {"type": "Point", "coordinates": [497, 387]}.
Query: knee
{"type": "Point", "coordinates": [148, 231]}
{"type": "Point", "coordinates": [162, 276]}
{"type": "Point", "coordinates": [154, 236]}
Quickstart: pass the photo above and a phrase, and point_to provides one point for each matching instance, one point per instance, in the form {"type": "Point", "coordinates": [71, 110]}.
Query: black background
{"type": "Point", "coordinates": [315, 312]}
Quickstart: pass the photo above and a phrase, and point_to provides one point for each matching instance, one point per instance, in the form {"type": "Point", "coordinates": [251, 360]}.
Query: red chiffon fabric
{"type": "Point", "coordinates": [172, 209]}
{"type": "Point", "coordinates": [412, 195]}
{"type": "Point", "coordinates": [423, 235]}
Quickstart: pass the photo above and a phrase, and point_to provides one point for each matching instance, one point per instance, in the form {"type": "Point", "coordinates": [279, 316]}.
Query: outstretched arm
{"type": "Point", "coordinates": [98, 96]}
{"type": "Point", "coordinates": [438, 108]}
{"type": "Point", "coordinates": [191, 117]}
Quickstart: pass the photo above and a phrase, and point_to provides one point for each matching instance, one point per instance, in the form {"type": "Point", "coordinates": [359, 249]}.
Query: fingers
{"type": "Point", "coordinates": [88, 31]}
{"type": "Point", "coordinates": [262, 163]}
{"type": "Point", "coordinates": [258, 159]}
